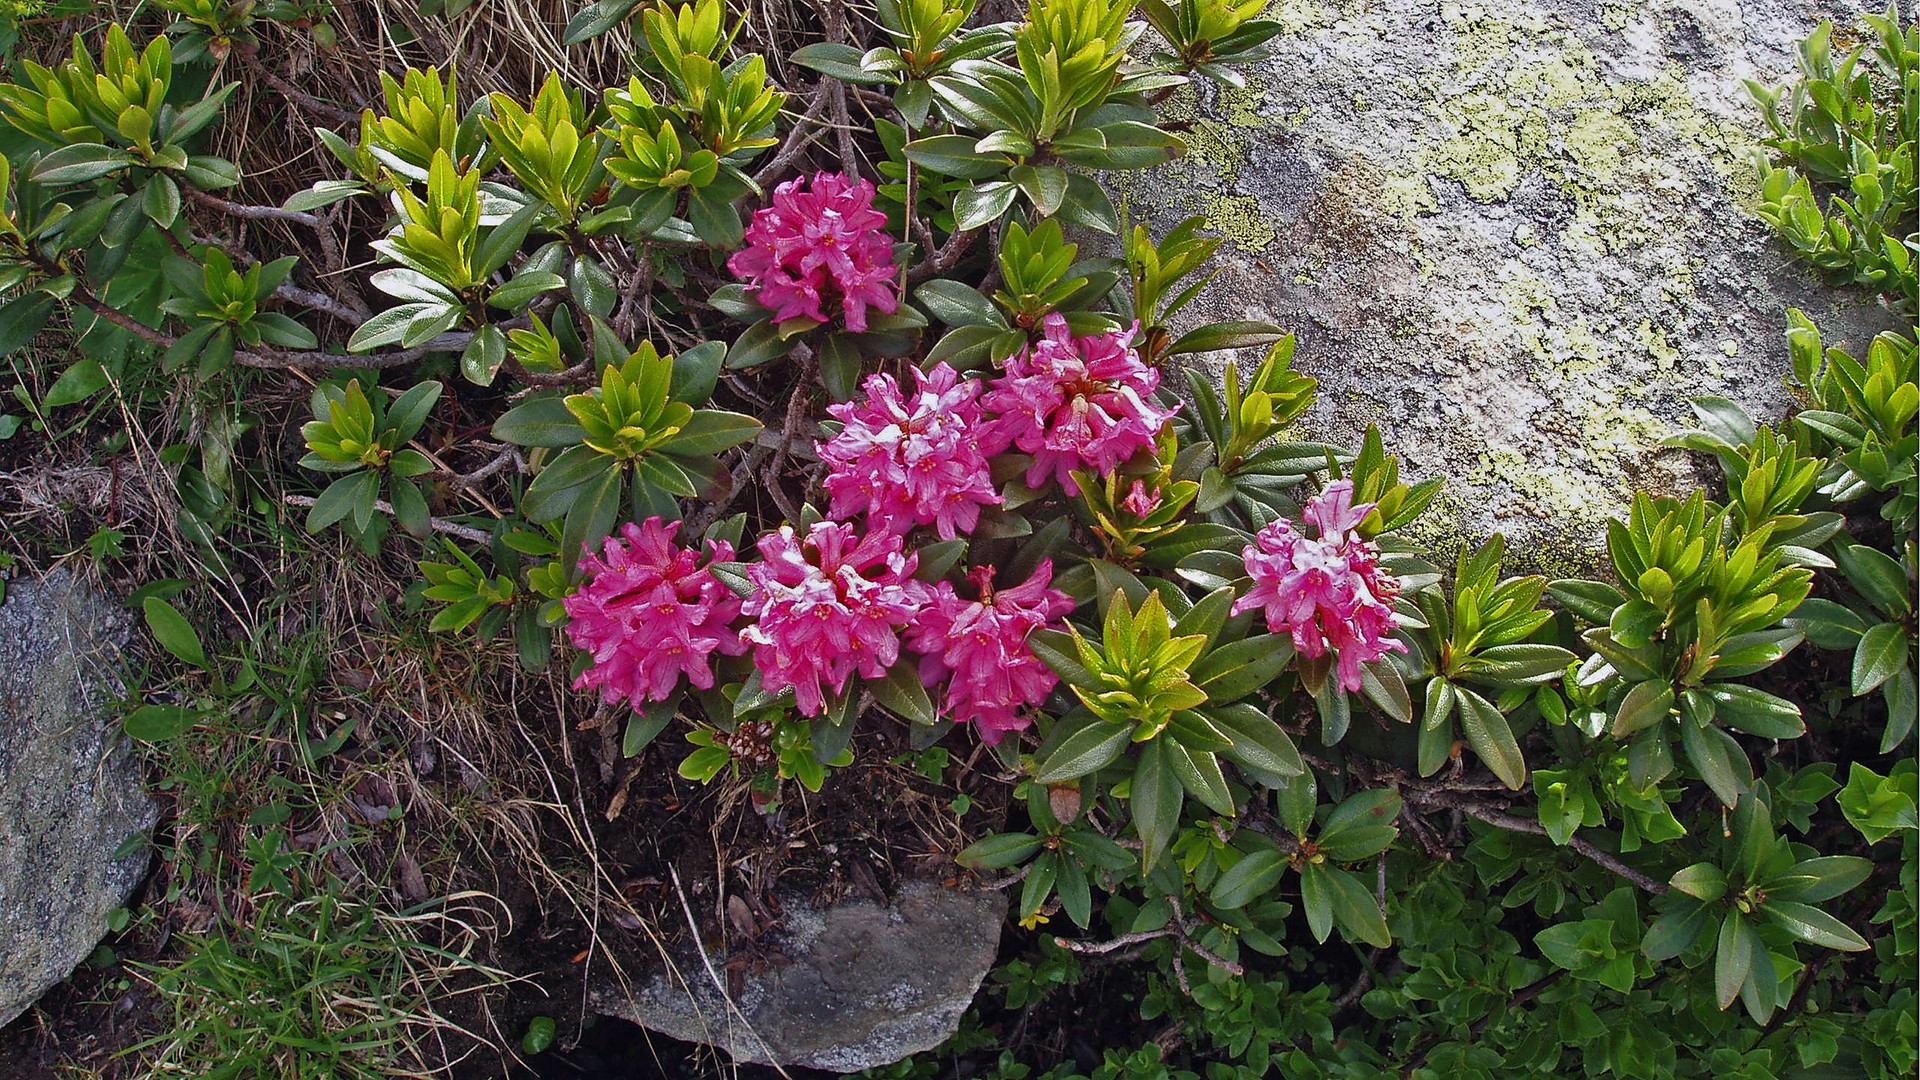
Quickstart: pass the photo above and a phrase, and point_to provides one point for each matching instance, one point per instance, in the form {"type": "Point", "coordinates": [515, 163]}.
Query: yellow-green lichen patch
{"type": "Point", "coordinates": [1240, 219]}
{"type": "Point", "coordinates": [1298, 16]}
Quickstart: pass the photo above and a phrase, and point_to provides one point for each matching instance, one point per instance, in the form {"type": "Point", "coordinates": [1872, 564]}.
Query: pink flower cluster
{"type": "Point", "coordinates": [650, 613]}
{"type": "Point", "coordinates": [981, 647]}
{"type": "Point", "coordinates": [1076, 403]}
{"type": "Point", "coordinates": [1329, 591]}
{"type": "Point", "coordinates": [905, 461]}
{"type": "Point", "coordinates": [812, 248]}
{"type": "Point", "coordinates": [827, 607]}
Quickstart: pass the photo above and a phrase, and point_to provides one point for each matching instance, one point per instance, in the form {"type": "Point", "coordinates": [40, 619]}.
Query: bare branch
{"type": "Point", "coordinates": [251, 213]}
{"type": "Point", "coordinates": [320, 302]}
{"type": "Point", "coordinates": [945, 259]}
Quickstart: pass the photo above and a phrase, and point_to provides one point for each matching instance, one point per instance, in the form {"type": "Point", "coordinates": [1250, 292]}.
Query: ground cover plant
{"type": "Point", "coordinates": [792, 411]}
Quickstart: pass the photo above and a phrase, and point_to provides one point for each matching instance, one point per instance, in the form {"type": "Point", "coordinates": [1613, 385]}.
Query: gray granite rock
{"type": "Point", "coordinates": [856, 985]}
{"type": "Point", "coordinates": [1515, 234]}
{"type": "Point", "coordinates": [70, 794]}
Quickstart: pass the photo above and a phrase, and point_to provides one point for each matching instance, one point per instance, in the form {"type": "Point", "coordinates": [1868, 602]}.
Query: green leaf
{"type": "Point", "coordinates": [1055, 648]}
{"type": "Point", "coordinates": [1199, 772]}
{"type": "Point", "coordinates": [1702, 881]}
{"type": "Point", "coordinates": [998, 851]}
{"type": "Point", "coordinates": [1822, 878]}
{"type": "Point", "coordinates": [715, 219]}
{"type": "Point", "coordinates": [710, 431]}
{"type": "Point", "coordinates": [1876, 575]}
{"type": "Point", "coordinates": [482, 357]}
{"type": "Point", "coordinates": [1075, 897]}
{"type": "Point", "coordinates": [954, 155]}
{"type": "Point", "coordinates": [1717, 758]}
{"type": "Point", "coordinates": [526, 285]}
{"type": "Point", "coordinates": [1519, 665]}
{"type": "Point", "coordinates": [1039, 884]}
{"type": "Point", "coordinates": [1813, 926]}
{"type": "Point", "coordinates": [596, 19]}
{"type": "Point", "coordinates": [22, 319]}
{"type": "Point", "coordinates": [957, 304]}
{"type": "Point", "coordinates": [1226, 335]}
{"type": "Point", "coordinates": [981, 205]}
{"type": "Point", "coordinates": [543, 421]}
{"type": "Point", "coordinates": [1883, 650]}
{"type": "Point", "coordinates": [1356, 909]}
{"type": "Point", "coordinates": [901, 691]}
{"type": "Point", "coordinates": [1755, 712]}
{"type": "Point", "coordinates": [1647, 703]}
{"type": "Point", "coordinates": [159, 723]}
{"type": "Point", "coordinates": [1258, 742]}
{"type": "Point", "coordinates": [643, 728]}
{"type": "Point", "coordinates": [1492, 739]}
{"type": "Point", "coordinates": [840, 61]}
{"type": "Point", "coordinates": [1593, 601]}
{"type": "Point", "coordinates": [1090, 749]}
{"type": "Point", "coordinates": [1231, 672]}
{"type": "Point", "coordinates": [161, 200]}
{"type": "Point", "coordinates": [174, 633]}
{"type": "Point", "coordinates": [1156, 803]}
{"type": "Point", "coordinates": [1254, 876]}
{"type": "Point", "coordinates": [1383, 685]}
{"type": "Point", "coordinates": [78, 383]}
{"type": "Point", "coordinates": [1675, 932]}
{"type": "Point", "coordinates": [759, 344]}
{"type": "Point", "coordinates": [79, 163]}
{"type": "Point", "coordinates": [1733, 957]}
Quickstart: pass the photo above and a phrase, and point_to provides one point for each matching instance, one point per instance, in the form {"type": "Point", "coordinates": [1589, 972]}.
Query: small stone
{"type": "Point", "coordinates": [860, 985]}
{"type": "Point", "coordinates": [71, 793]}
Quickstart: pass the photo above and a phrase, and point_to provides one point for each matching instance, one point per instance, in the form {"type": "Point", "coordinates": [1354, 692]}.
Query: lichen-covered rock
{"type": "Point", "coordinates": [70, 794]}
{"type": "Point", "coordinates": [1513, 234]}
{"type": "Point", "coordinates": [853, 986]}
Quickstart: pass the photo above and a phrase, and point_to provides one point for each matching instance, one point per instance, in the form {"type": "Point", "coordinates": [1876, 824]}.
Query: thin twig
{"type": "Point", "coordinates": [694, 929]}
{"type": "Point", "coordinates": [1575, 843]}
{"type": "Point", "coordinates": [945, 259]}
{"type": "Point", "coordinates": [327, 109]}
{"type": "Point", "coordinates": [252, 213]}
{"type": "Point", "coordinates": [320, 302]}
{"type": "Point", "coordinates": [1097, 947]}
{"type": "Point", "coordinates": [796, 141]}
{"type": "Point", "coordinates": [278, 360]}
{"type": "Point", "coordinates": [464, 532]}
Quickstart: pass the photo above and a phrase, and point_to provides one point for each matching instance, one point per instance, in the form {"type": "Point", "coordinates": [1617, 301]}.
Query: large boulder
{"type": "Point", "coordinates": [70, 793]}
{"type": "Point", "coordinates": [1516, 235]}
{"type": "Point", "coordinates": [851, 986]}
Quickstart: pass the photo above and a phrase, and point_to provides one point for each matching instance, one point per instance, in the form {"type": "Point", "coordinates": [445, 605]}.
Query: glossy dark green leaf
{"type": "Point", "coordinates": [1253, 877]}
{"type": "Point", "coordinates": [1090, 749]}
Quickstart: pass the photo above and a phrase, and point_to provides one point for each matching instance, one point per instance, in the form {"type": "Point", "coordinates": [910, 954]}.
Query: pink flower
{"type": "Point", "coordinates": [911, 461]}
{"type": "Point", "coordinates": [1139, 501]}
{"type": "Point", "coordinates": [650, 613]}
{"type": "Point", "coordinates": [1328, 592]}
{"type": "Point", "coordinates": [982, 645]}
{"type": "Point", "coordinates": [828, 607]}
{"type": "Point", "coordinates": [819, 247]}
{"type": "Point", "coordinates": [1075, 403]}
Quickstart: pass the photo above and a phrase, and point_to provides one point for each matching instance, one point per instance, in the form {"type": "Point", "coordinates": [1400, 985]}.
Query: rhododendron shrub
{"type": "Point", "coordinates": [650, 612]}
{"type": "Point", "coordinates": [912, 459]}
{"type": "Point", "coordinates": [1327, 591]}
{"type": "Point", "coordinates": [1076, 403]}
{"type": "Point", "coordinates": [979, 647]}
{"type": "Point", "coordinates": [819, 252]}
{"type": "Point", "coordinates": [827, 606]}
